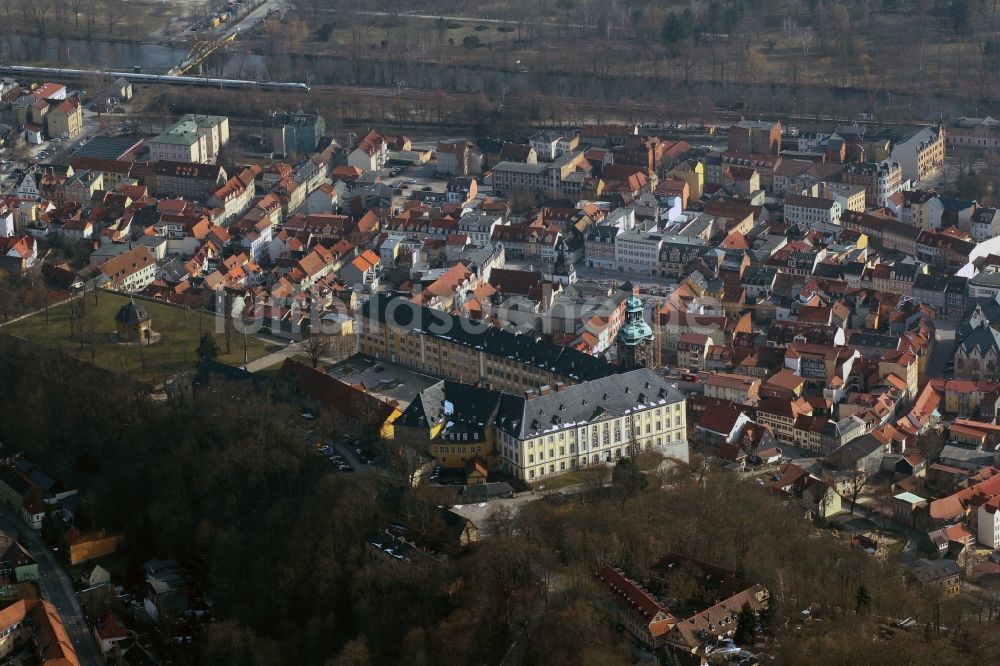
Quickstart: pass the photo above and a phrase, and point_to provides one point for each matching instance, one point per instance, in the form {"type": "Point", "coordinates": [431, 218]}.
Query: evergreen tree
{"type": "Point", "coordinates": [671, 30]}
{"type": "Point", "coordinates": [208, 348]}
{"type": "Point", "coordinates": [961, 12]}
{"type": "Point", "coordinates": [766, 614]}
{"type": "Point", "coordinates": [51, 529]}
{"type": "Point", "coordinates": [862, 599]}
{"type": "Point", "coordinates": [669, 659]}
{"type": "Point", "coordinates": [746, 627]}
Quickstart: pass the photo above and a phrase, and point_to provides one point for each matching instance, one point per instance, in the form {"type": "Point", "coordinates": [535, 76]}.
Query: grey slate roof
{"type": "Point", "coordinates": [579, 404]}
{"type": "Point", "coordinates": [463, 407]}
{"type": "Point", "coordinates": [982, 338]}
{"type": "Point", "coordinates": [929, 282]}
{"type": "Point", "coordinates": [928, 571]}
{"type": "Point", "coordinates": [986, 280]}
{"type": "Point", "coordinates": [851, 454]}
{"type": "Point", "coordinates": [528, 349]}
{"type": "Point", "coordinates": [866, 339]}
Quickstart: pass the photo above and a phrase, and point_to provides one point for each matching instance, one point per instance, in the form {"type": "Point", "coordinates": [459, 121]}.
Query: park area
{"type": "Point", "coordinates": [88, 333]}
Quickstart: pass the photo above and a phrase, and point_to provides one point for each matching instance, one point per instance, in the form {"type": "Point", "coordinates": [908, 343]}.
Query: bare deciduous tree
{"type": "Point", "coordinates": [316, 347]}
{"type": "Point", "coordinates": [856, 482]}
{"type": "Point", "coordinates": [806, 37]}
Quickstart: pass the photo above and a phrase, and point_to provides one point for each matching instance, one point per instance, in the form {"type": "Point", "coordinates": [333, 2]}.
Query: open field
{"type": "Point", "coordinates": [180, 332]}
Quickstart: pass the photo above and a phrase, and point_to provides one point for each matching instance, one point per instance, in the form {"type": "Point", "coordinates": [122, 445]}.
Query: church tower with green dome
{"type": "Point", "coordinates": [635, 338]}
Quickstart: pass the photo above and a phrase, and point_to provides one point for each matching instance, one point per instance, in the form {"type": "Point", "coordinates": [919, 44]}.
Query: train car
{"type": "Point", "coordinates": [168, 79]}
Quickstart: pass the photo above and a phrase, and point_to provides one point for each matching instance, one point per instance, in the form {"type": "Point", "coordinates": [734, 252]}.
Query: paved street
{"type": "Point", "coordinates": [944, 348]}
{"type": "Point", "coordinates": [56, 588]}
{"type": "Point", "coordinates": [275, 357]}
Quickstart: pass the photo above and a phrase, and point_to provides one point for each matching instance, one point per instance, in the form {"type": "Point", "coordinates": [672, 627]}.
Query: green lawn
{"type": "Point", "coordinates": [180, 331]}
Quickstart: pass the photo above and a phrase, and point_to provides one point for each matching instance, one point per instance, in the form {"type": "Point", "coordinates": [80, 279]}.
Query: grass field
{"type": "Point", "coordinates": [180, 332]}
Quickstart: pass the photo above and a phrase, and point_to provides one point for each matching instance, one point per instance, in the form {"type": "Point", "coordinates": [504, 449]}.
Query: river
{"type": "Point", "coordinates": [372, 71]}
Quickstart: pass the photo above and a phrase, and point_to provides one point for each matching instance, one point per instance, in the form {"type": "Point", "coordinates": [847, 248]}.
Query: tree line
{"type": "Point", "coordinates": [225, 483]}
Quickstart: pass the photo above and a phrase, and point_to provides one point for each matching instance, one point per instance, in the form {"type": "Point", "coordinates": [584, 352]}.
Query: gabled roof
{"type": "Point", "coordinates": [128, 263]}
{"type": "Point", "coordinates": [721, 419]}
{"type": "Point", "coordinates": [983, 338]}
{"type": "Point", "coordinates": [645, 606]}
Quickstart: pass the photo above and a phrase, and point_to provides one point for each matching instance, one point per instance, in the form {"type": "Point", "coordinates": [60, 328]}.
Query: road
{"type": "Point", "coordinates": [944, 348]}
{"type": "Point", "coordinates": [56, 587]}
{"type": "Point", "coordinates": [275, 357]}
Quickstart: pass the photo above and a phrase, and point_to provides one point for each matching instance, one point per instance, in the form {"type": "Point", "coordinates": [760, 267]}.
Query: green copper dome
{"type": "Point", "coordinates": [634, 330]}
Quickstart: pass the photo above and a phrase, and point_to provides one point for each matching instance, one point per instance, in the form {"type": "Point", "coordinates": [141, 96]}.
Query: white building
{"type": "Point", "coordinates": [850, 197]}
{"type": "Point", "coordinates": [546, 144]}
{"type": "Point", "coordinates": [178, 147]}
{"type": "Point", "coordinates": [638, 251]}
{"type": "Point", "coordinates": [370, 153]}
{"type": "Point", "coordinates": [389, 249]}
{"type": "Point", "coordinates": [592, 423]}
{"type": "Point", "coordinates": [988, 515]}
{"type": "Point", "coordinates": [28, 187]}
{"type": "Point", "coordinates": [362, 271]}
{"type": "Point", "coordinates": [920, 154]}
{"type": "Point", "coordinates": [813, 212]}
{"type": "Point", "coordinates": [257, 240]}
{"type": "Point", "coordinates": [323, 199]}
{"type": "Point", "coordinates": [478, 226]}
{"type": "Point", "coordinates": [130, 271]}
{"type": "Point", "coordinates": [193, 138]}
{"type": "Point", "coordinates": [985, 224]}
{"type": "Point", "coordinates": [6, 223]}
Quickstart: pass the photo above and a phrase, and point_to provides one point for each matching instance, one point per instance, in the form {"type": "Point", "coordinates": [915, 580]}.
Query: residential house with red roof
{"type": "Point", "coordinates": [37, 623]}
{"type": "Point", "coordinates": [369, 153]}
{"type": "Point", "coordinates": [635, 608]}
{"type": "Point", "coordinates": [234, 196]}
{"type": "Point", "coordinates": [362, 271]}
{"type": "Point", "coordinates": [18, 253]}
{"type": "Point", "coordinates": [65, 119]}
{"type": "Point", "coordinates": [818, 497]}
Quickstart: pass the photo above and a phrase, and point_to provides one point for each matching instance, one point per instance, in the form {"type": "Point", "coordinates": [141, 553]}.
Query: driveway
{"type": "Point", "coordinates": [56, 587]}
{"type": "Point", "coordinates": [348, 454]}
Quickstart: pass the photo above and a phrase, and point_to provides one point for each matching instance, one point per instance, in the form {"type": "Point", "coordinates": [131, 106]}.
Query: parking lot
{"type": "Point", "coordinates": [344, 454]}
{"type": "Point", "coordinates": [388, 381]}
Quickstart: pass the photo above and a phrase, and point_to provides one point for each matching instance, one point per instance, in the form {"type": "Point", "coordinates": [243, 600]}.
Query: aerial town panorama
{"type": "Point", "coordinates": [531, 332]}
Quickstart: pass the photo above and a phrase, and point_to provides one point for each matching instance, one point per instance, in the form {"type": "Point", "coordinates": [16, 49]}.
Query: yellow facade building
{"type": "Point", "coordinates": [592, 423]}
{"type": "Point", "coordinates": [466, 350]}
{"type": "Point", "coordinates": [693, 175]}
